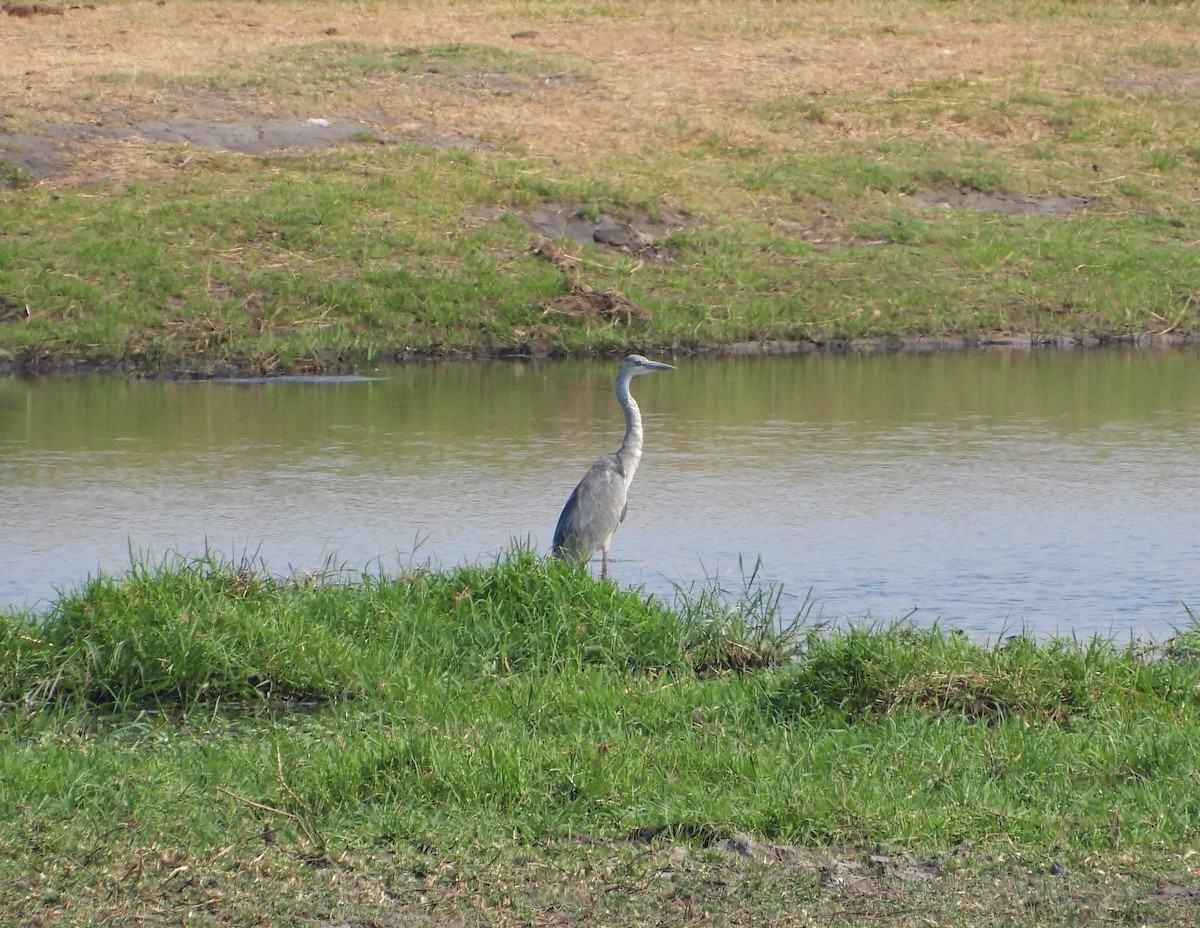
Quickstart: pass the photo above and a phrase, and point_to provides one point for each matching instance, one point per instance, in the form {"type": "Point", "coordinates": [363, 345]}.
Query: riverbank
{"type": "Point", "coordinates": [237, 367]}
{"type": "Point", "coordinates": [200, 741]}
{"type": "Point", "coordinates": [207, 189]}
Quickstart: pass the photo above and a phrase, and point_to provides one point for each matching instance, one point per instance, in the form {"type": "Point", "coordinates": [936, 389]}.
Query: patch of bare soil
{"type": "Point", "coordinates": [1180, 83]}
{"type": "Point", "coordinates": [555, 227]}
{"type": "Point", "coordinates": [44, 155]}
{"type": "Point", "coordinates": [26, 10]}
{"type": "Point", "coordinates": [1011, 204]}
{"type": "Point", "coordinates": [637, 233]}
{"type": "Point", "coordinates": [581, 300]}
{"type": "Point", "coordinates": [895, 887]}
{"type": "Point", "coordinates": [854, 872]}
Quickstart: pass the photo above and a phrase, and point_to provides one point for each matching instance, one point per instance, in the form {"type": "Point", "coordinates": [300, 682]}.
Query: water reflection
{"type": "Point", "coordinates": [1056, 492]}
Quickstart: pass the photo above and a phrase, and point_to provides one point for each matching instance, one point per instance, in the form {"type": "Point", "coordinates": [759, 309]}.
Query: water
{"type": "Point", "coordinates": [1042, 492]}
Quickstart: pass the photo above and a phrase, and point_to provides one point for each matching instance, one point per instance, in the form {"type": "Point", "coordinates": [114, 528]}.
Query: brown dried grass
{"type": "Point", "coordinates": [661, 72]}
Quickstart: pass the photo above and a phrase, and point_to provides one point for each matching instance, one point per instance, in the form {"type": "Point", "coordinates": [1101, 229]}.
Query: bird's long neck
{"type": "Point", "coordinates": [630, 452]}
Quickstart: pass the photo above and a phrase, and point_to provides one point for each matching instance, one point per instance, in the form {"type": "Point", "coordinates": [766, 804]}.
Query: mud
{"type": "Point", "coordinates": [637, 233]}
{"type": "Point", "coordinates": [37, 364]}
{"type": "Point", "coordinates": [44, 155]}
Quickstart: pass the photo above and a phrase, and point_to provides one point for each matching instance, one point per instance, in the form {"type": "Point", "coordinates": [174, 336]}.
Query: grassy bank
{"type": "Point", "coordinates": [823, 172]}
{"type": "Point", "coordinates": [518, 742]}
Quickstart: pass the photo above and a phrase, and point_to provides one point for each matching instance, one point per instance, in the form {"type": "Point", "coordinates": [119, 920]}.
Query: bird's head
{"type": "Point", "coordinates": [636, 365]}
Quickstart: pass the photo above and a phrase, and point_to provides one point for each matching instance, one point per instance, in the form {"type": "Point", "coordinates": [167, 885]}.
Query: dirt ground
{"type": "Point", "coordinates": [644, 880]}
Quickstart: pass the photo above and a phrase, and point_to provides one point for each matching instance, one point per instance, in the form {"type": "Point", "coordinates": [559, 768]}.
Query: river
{"type": "Point", "coordinates": [1040, 492]}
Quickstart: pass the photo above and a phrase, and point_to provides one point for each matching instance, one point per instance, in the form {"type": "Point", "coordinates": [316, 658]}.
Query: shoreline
{"type": "Point", "coordinates": [226, 368]}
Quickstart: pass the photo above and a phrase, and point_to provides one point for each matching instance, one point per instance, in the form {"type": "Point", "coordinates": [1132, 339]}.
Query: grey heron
{"type": "Point", "coordinates": [597, 505]}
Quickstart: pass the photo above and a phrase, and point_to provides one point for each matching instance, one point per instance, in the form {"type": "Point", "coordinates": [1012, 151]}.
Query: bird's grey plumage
{"type": "Point", "coordinates": [598, 504]}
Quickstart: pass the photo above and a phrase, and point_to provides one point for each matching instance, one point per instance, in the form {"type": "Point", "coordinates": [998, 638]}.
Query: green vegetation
{"type": "Point", "coordinates": [422, 736]}
{"type": "Point", "coordinates": [12, 177]}
{"type": "Point", "coordinates": [341, 258]}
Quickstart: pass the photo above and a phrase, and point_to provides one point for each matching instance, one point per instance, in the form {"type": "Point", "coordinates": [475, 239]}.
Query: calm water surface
{"type": "Point", "coordinates": [1054, 493]}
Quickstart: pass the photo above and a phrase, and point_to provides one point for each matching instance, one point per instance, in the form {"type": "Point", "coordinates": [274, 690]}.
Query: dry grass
{"type": "Point", "coordinates": [655, 73]}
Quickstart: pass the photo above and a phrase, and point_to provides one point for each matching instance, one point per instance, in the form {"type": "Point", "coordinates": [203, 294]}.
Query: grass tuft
{"type": "Point", "coordinates": [13, 176]}
{"type": "Point", "coordinates": [739, 630]}
{"type": "Point", "coordinates": [869, 674]}
{"type": "Point", "coordinates": [178, 633]}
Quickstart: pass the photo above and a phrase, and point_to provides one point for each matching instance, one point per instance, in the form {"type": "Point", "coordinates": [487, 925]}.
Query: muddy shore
{"type": "Point", "coordinates": [45, 365]}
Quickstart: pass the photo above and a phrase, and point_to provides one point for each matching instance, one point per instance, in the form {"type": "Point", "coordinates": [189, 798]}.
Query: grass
{"type": "Point", "coordinates": [202, 736]}
{"type": "Point", "coordinates": [13, 177]}
{"type": "Point", "coordinates": [797, 191]}
{"type": "Point", "coordinates": [313, 267]}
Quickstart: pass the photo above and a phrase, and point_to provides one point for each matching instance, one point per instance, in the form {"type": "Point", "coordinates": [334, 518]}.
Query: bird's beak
{"type": "Point", "coordinates": [659, 366]}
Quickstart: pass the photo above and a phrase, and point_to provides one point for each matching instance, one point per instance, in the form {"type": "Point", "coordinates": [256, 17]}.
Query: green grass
{"type": "Point", "coordinates": [12, 176]}
{"type": "Point", "coordinates": [338, 258]}
{"type": "Point", "coordinates": [496, 687]}
{"type": "Point", "coordinates": [176, 712]}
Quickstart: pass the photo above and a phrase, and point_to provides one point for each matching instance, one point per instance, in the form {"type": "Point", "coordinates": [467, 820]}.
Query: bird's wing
{"type": "Point", "coordinates": [594, 510]}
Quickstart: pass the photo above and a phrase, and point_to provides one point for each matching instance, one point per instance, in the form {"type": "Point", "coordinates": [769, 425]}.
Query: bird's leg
{"type": "Point", "coordinates": [604, 564]}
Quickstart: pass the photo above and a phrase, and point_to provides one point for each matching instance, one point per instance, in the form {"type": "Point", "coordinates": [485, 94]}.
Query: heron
{"type": "Point", "coordinates": [597, 505]}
